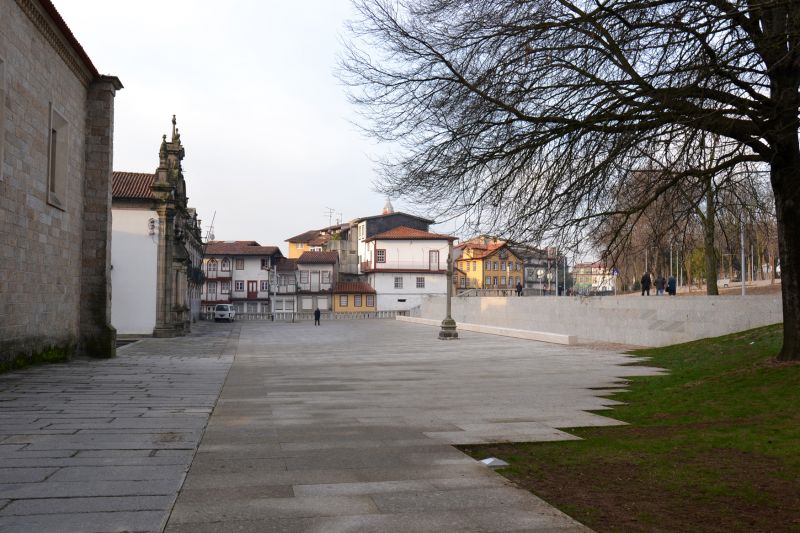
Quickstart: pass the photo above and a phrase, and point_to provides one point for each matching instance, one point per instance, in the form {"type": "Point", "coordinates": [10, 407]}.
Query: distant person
{"type": "Point", "coordinates": [519, 289]}
{"type": "Point", "coordinates": [672, 285]}
{"type": "Point", "coordinates": [661, 284]}
{"type": "Point", "coordinates": [646, 282]}
{"type": "Point", "coordinates": [317, 314]}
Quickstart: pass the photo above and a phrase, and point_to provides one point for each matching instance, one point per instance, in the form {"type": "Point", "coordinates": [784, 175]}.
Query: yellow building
{"type": "Point", "coordinates": [310, 241]}
{"type": "Point", "coordinates": [353, 297]}
{"type": "Point", "coordinates": [486, 263]}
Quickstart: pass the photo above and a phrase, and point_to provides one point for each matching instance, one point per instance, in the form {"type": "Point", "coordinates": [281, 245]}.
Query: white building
{"type": "Point", "coordinates": [316, 275]}
{"type": "Point", "coordinates": [156, 249]}
{"type": "Point", "coordinates": [404, 264]}
{"type": "Point", "coordinates": [238, 272]}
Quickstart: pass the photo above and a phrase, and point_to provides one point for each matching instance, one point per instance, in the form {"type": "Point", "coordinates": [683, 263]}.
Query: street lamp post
{"type": "Point", "coordinates": [448, 330]}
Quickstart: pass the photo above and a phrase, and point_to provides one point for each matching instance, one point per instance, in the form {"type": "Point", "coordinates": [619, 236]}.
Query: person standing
{"type": "Point", "coordinates": [671, 285]}
{"type": "Point", "coordinates": [661, 283]}
{"type": "Point", "coordinates": [519, 289]}
{"type": "Point", "coordinates": [317, 314]}
{"type": "Point", "coordinates": [646, 282]}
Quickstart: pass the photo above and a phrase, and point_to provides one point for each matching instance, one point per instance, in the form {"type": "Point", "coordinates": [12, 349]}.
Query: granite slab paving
{"type": "Point", "coordinates": [104, 445]}
{"type": "Point", "coordinates": [348, 427]}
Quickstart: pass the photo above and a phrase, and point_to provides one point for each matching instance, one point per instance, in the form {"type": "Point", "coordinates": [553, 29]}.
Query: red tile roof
{"type": "Point", "coordinates": [406, 233]}
{"type": "Point", "coordinates": [132, 185]}
{"type": "Point", "coordinates": [286, 265]}
{"type": "Point", "coordinates": [353, 287]}
{"type": "Point", "coordinates": [479, 251]}
{"type": "Point", "coordinates": [304, 237]}
{"type": "Point", "coordinates": [239, 248]}
{"type": "Point", "coordinates": [318, 258]}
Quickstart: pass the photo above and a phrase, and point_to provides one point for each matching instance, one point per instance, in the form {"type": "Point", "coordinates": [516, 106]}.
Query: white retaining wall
{"type": "Point", "coordinates": [643, 321]}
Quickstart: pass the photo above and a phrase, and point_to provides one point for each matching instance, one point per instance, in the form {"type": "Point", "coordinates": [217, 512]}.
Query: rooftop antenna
{"type": "Point", "coordinates": [210, 232]}
{"type": "Point", "coordinates": [330, 211]}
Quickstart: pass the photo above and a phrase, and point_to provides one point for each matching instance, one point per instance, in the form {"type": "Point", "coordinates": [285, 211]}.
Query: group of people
{"type": "Point", "coordinates": [661, 284]}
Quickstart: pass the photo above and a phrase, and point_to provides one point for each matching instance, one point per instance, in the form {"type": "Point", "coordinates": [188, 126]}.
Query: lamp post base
{"type": "Point", "coordinates": [448, 331]}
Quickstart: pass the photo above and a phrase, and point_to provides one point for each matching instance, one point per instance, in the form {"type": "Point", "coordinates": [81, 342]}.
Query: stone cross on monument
{"type": "Point", "coordinates": [448, 331]}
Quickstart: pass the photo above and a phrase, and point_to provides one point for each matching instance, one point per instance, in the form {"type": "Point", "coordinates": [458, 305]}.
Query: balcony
{"type": "Point", "coordinates": [218, 274]}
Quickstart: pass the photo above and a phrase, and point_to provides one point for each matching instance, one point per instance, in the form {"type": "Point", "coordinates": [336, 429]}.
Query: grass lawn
{"type": "Point", "coordinates": [712, 446]}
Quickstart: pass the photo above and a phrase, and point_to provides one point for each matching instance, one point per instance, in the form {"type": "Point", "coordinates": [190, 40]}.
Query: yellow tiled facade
{"type": "Point", "coordinates": [354, 303]}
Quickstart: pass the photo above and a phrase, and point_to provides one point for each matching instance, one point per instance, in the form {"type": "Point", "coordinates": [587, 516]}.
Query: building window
{"type": "Point", "coordinates": [265, 263]}
{"type": "Point", "coordinates": [502, 265]}
{"type": "Point", "coordinates": [421, 282]}
{"type": "Point", "coordinates": [463, 283]}
{"type": "Point", "coordinates": [238, 286]}
{"type": "Point", "coordinates": [303, 276]}
{"type": "Point", "coordinates": [57, 156]}
{"type": "Point", "coordinates": [264, 286]}
{"type": "Point", "coordinates": [306, 302]}
{"type": "Point", "coordinates": [342, 300]}
{"type": "Point", "coordinates": [239, 262]}
{"type": "Point", "coordinates": [488, 280]}
{"type": "Point", "coordinates": [212, 289]}
{"type": "Point", "coordinates": [212, 265]}
{"type": "Point", "coordinates": [398, 282]}
{"type": "Point", "coordinates": [370, 300]}
{"type": "Point", "coordinates": [380, 256]}
{"type": "Point", "coordinates": [494, 281]}
{"type": "Point", "coordinates": [225, 266]}
{"type": "Point", "coordinates": [226, 287]}
{"type": "Point", "coordinates": [487, 265]}
{"type": "Point", "coordinates": [300, 245]}
{"type": "Point", "coordinates": [495, 266]}
{"type": "Point", "coordinates": [322, 303]}
{"type": "Point", "coordinates": [502, 281]}
{"type": "Point", "coordinates": [252, 307]}
{"type": "Point", "coordinates": [326, 276]}
{"type": "Point", "coordinates": [356, 300]}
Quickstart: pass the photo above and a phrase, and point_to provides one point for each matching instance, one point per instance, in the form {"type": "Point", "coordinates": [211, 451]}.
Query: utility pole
{"type": "Point", "coordinates": [741, 224]}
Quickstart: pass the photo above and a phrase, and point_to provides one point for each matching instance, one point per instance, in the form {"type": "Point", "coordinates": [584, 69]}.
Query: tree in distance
{"type": "Point", "coordinates": [527, 116]}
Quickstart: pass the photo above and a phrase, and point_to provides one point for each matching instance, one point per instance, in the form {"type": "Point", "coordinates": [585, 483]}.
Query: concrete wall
{"type": "Point", "coordinates": [133, 258]}
{"type": "Point", "coordinates": [643, 321]}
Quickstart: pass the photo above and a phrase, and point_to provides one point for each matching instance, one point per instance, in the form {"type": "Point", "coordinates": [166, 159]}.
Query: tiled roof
{"type": "Point", "coordinates": [305, 236]}
{"type": "Point", "coordinates": [70, 37]}
{"type": "Point", "coordinates": [317, 258]}
{"type": "Point", "coordinates": [429, 221]}
{"type": "Point", "coordinates": [405, 233]}
{"type": "Point", "coordinates": [132, 185]}
{"type": "Point", "coordinates": [353, 287]}
{"type": "Point", "coordinates": [239, 248]}
{"type": "Point", "coordinates": [481, 251]}
{"type": "Point", "coordinates": [286, 265]}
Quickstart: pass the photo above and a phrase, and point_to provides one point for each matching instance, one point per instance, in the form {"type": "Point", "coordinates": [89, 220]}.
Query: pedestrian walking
{"type": "Point", "coordinates": [646, 282]}
{"type": "Point", "coordinates": [661, 284]}
{"type": "Point", "coordinates": [317, 314]}
{"type": "Point", "coordinates": [519, 289]}
{"type": "Point", "coordinates": [671, 285]}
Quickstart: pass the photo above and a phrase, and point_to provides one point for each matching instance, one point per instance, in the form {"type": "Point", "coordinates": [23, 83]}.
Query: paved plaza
{"type": "Point", "coordinates": [343, 427]}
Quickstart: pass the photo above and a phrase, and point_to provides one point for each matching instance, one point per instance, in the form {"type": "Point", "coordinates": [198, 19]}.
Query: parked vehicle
{"type": "Point", "coordinates": [224, 312]}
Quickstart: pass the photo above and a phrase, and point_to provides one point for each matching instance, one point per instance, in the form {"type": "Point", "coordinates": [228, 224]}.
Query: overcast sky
{"type": "Point", "coordinates": [265, 123]}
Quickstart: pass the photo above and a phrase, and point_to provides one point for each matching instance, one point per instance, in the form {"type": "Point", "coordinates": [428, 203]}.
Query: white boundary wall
{"type": "Point", "coordinates": [642, 321]}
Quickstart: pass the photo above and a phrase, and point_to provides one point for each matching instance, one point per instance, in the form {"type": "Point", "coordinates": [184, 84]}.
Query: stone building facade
{"type": "Point", "coordinates": [157, 250]}
{"type": "Point", "coordinates": [56, 145]}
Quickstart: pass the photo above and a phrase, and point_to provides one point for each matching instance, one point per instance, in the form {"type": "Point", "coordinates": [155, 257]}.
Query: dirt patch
{"type": "Point", "coordinates": [749, 491]}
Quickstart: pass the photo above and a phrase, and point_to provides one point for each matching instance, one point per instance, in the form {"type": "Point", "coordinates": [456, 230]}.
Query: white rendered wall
{"type": "Point", "coordinates": [407, 254]}
{"type": "Point", "coordinates": [388, 296]}
{"type": "Point", "coordinates": [133, 274]}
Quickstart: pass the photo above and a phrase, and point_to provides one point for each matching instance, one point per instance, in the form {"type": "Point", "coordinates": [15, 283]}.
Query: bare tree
{"type": "Point", "coordinates": [523, 115]}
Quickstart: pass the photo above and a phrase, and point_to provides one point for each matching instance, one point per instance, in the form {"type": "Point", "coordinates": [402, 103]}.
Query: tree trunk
{"type": "Point", "coordinates": [785, 176]}
{"type": "Point", "coordinates": [709, 224]}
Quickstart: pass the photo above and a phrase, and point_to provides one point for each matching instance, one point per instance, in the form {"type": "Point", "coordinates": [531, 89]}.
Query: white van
{"type": "Point", "coordinates": [224, 312]}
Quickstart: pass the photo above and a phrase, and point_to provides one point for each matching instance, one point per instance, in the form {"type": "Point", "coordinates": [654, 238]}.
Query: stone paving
{"type": "Point", "coordinates": [347, 426]}
{"type": "Point", "coordinates": [104, 445]}
{"type": "Point", "coordinates": [343, 427]}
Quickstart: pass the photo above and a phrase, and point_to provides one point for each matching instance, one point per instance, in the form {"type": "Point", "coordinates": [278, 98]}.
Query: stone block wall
{"type": "Point", "coordinates": [41, 258]}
